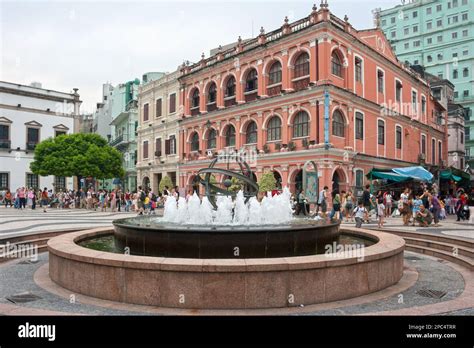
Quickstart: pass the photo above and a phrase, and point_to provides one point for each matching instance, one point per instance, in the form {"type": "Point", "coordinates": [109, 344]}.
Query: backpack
{"type": "Point", "coordinates": [142, 196]}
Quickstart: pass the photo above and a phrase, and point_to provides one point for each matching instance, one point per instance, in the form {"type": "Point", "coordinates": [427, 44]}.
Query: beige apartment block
{"type": "Point", "coordinates": [157, 131]}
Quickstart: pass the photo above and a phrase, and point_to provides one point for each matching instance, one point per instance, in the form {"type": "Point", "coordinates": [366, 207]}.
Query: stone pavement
{"type": "Point", "coordinates": [425, 272]}
{"type": "Point", "coordinates": [15, 222]}
{"type": "Point", "coordinates": [448, 227]}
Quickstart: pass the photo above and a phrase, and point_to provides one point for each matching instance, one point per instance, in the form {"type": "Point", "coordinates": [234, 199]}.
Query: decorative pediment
{"type": "Point", "coordinates": [61, 127]}
{"type": "Point", "coordinates": [33, 124]}
{"type": "Point", "coordinates": [5, 120]}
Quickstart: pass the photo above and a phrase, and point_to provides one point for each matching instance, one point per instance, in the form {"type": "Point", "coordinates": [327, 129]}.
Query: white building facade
{"type": "Point", "coordinates": [29, 115]}
{"type": "Point", "coordinates": [158, 131]}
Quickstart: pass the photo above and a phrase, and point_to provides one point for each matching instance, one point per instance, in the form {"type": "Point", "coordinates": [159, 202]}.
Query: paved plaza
{"type": "Point", "coordinates": [15, 222]}
{"type": "Point", "coordinates": [408, 297]}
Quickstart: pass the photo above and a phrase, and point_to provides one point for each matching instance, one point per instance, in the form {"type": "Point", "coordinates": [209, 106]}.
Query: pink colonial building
{"type": "Point", "coordinates": [316, 89]}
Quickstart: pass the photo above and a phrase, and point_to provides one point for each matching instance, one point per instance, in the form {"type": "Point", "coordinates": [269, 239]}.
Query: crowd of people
{"type": "Point", "coordinates": [142, 201]}
{"type": "Point", "coordinates": [425, 206]}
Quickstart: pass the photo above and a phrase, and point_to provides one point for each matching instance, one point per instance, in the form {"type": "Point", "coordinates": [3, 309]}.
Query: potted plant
{"type": "Point", "coordinates": [305, 143]}
{"type": "Point", "coordinates": [266, 148]}
{"type": "Point", "coordinates": [277, 146]}
{"type": "Point", "coordinates": [291, 146]}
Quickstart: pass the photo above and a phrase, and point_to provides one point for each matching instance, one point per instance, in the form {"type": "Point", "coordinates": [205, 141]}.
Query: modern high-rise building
{"type": "Point", "coordinates": [438, 34]}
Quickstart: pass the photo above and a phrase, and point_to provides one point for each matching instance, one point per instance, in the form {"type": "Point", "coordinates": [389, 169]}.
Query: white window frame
{"type": "Point", "coordinates": [414, 112]}
{"type": "Point", "coordinates": [395, 142]}
{"type": "Point", "coordinates": [384, 136]}
{"type": "Point", "coordinates": [363, 129]}
{"type": "Point", "coordinates": [384, 83]}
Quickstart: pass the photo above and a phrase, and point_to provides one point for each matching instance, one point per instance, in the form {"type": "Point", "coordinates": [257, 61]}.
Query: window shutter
{"type": "Point", "coordinates": [145, 112]}
{"type": "Point", "coordinates": [158, 108]}
{"type": "Point", "coordinates": [145, 149]}
{"type": "Point", "coordinates": [167, 146]}
{"type": "Point", "coordinates": [172, 103]}
{"type": "Point", "coordinates": [173, 145]}
{"type": "Point", "coordinates": [158, 147]}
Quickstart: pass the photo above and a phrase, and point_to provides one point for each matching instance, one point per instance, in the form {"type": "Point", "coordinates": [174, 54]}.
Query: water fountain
{"type": "Point", "coordinates": [225, 221]}
{"type": "Point", "coordinates": [226, 250]}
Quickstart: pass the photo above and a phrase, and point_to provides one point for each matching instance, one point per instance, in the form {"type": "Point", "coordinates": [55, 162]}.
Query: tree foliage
{"type": "Point", "coordinates": [236, 186]}
{"type": "Point", "coordinates": [267, 182]}
{"type": "Point", "coordinates": [77, 155]}
{"type": "Point", "coordinates": [165, 181]}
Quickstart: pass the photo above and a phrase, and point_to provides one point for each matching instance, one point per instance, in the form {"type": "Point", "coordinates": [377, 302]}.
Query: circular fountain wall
{"type": "Point", "coordinates": [193, 283]}
{"type": "Point", "coordinates": [153, 237]}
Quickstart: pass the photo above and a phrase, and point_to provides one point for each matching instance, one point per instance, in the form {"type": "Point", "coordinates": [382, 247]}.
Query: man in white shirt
{"type": "Point", "coordinates": [360, 213]}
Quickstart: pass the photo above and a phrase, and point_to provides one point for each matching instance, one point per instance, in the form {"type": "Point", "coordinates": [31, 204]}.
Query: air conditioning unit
{"type": "Point", "coordinates": [421, 157]}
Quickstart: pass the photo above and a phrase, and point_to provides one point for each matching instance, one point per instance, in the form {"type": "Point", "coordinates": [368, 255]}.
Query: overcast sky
{"type": "Point", "coordinates": [68, 44]}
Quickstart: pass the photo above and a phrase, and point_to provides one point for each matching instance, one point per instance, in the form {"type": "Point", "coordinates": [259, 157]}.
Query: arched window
{"type": "Point", "coordinates": [274, 75]}
{"type": "Point", "coordinates": [251, 81]}
{"type": "Point", "coordinates": [211, 94]}
{"type": "Point", "coordinates": [302, 65]}
{"type": "Point", "coordinates": [337, 124]}
{"type": "Point", "coordinates": [230, 136]}
{"type": "Point", "coordinates": [301, 125]}
{"type": "Point", "coordinates": [211, 138]}
{"type": "Point", "coordinates": [251, 133]}
{"type": "Point", "coordinates": [195, 98]}
{"type": "Point", "coordinates": [230, 87]}
{"type": "Point", "coordinates": [274, 129]}
{"type": "Point", "coordinates": [336, 64]}
{"type": "Point", "coordinates": [195, 142]}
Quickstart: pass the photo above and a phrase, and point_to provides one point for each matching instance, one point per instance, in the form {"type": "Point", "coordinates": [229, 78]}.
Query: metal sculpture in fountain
{"type": "Point", "coordinates": [250, 187]}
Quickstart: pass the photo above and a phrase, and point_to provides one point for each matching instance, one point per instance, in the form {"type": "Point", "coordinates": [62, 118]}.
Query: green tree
{"type": "Point", "coordinates": [165, 181]}
{"type": "Point", "coordinates": [77, 155]}
{"type": "Point", "coordinates": [236, 185]}
{"type": "Point", "coordinates": [267, 182]}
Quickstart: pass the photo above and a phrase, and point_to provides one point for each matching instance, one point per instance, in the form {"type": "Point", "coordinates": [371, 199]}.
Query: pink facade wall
{"type": "Point", "coordinates": [323, 36]}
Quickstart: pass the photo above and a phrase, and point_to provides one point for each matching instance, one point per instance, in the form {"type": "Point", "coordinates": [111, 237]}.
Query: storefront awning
{"type": "Point", "coordinates": [454, 174]}
{"type": "Point", "coordinates": [401, 174]}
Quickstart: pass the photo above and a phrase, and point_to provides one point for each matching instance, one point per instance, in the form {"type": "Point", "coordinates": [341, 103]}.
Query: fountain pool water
{"type": "Point", "coordinates": [236, 229]}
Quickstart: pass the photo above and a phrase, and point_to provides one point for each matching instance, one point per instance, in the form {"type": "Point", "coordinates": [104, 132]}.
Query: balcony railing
{"type": "Point", "coordinates": [195, 111]}
{"type": "Point", "coordinates": [300, 84]}
{"type": "Point", "coordinates": [211, 106]}
{"type": "Point", "coordinates": [31, 145]}
{"type": "Point", "coordinates": [5, 144]}
{"type": "Point", "coordinates": [251, 95]}
{"type": "Point", "coordinates": [229, 101]}
{"type": "Point", "coordinates": [119, 140]}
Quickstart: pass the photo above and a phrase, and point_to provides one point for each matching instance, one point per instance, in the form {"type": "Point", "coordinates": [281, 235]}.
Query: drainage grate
{"type": "Point", "coordinates": [431, 293]}
{"type": "Point", "coordinates": [23, 298]}
{"type": "Point", "coordinates": [28, 262]}
{"type": "Point", "coordinates": [412, 258]}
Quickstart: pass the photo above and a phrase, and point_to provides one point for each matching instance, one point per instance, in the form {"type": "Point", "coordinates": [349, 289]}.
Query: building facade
{"type": "Point", "coordinates": [438, 34]}
{"type": "Point", "coordinates": [124, 113]}
{"type": "Point", "coordinates": [103, 113]}
{"type": "Point", "coordinates": [29, 115]}
{"type": "Point", "coordinates": [443, 91]}
{"type": "Point", "coordinates": [158, 133]}
{"type": "Point", "coordinates": [313, 90]}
